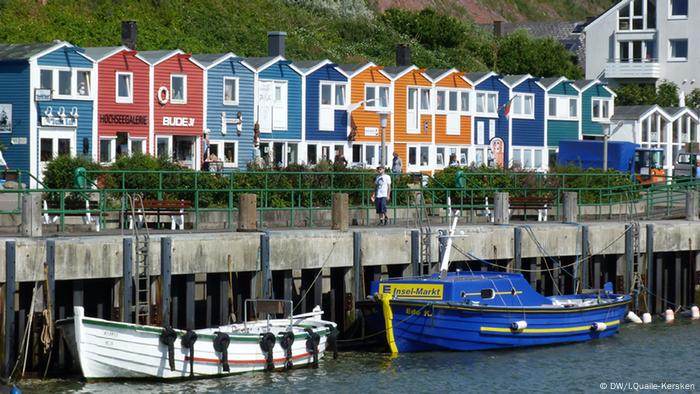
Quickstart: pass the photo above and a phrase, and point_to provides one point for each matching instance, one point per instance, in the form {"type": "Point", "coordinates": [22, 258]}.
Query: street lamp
{"type": "Point", "coordinates": [382, 123]}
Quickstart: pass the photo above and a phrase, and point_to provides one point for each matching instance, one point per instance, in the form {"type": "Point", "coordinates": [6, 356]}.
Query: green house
{"type": "Point", "coordinates": [598, 106]}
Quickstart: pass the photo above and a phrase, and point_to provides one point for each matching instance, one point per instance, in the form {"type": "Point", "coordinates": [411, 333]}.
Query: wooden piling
{"type": "Point", "coordinates": [9, 313]}
{"type": "Point", "coordinates": [166, 256]}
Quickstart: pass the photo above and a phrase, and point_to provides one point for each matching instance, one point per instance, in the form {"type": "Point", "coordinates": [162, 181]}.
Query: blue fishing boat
{"type": "Point", "coordinates": [485, 310]}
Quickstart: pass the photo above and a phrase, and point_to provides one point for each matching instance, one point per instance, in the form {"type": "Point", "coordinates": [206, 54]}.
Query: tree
{"type": "Point", "coordinates": [667, 94]}
{"type": "Point", "coordinates": [633, 94]}
{"type": "Point", "coordinates": [692, 100]}
{"type": "Point", "coordinates": [519, 53]}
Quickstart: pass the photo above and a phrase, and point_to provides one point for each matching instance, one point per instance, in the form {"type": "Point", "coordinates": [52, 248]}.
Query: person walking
{"type": "Point", "coordinates": [381, 195]}
{"type": "Point", "coordinates": [396, 164]}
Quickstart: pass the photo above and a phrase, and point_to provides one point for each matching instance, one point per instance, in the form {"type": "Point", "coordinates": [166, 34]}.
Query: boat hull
{"type": "Point", "coordinates": [114, 350]}
{"type": "Point", "coordinates": [425, 326]}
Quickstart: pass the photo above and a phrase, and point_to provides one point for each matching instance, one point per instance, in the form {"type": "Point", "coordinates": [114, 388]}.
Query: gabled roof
{"type": "Point", "coordinates": [677, 112]}
{"type": "Point", "coordinates": [584, 84]}
{"type": "Point", "coordinates": [515, 80]}
{"type": "Point", "coordinates": [208, 59]}
{"type": "Point", "coordinates": [353, 69]}
{"type": "Point", "coordinates": [99, 53]}
{"type": "Point", "coordinates": [436, 74]}
{"type": "Point", "coordinates": [155, 57]}
{"type": "Point", "coordinates": [479, 77]}
{"type": "Point", "coordinates": [397, 72]}
{"type": "Point", "coordinates": [550, 83]}
{"type": "Point", "coordinates": [637, 112]}
{"type": "Point", "coordinates": [15, 52]}
{"type": "Point", "coordinates": [259, 62]}
{"type": "Point", "coordinates": [613, 8]}
{"type": "Point", "coordinates": [308, 66]}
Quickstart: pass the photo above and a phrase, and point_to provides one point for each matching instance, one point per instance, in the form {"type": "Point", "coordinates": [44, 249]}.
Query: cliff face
{"type": "Point", "coordinates": [486, 11]}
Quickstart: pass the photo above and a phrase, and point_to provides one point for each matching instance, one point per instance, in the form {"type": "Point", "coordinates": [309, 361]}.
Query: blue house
{"type": "Point", "coordinates": [491, 96]}
{"type": "Point", "coordinates": [526, 116]}
{"type": "Point", "coordinates": [563, 113]}
{"type": "Point", "coordinates": [278, 108]}
{"type": "Point", "coordinates": [326, 94]}
{"type": "Point", "coordinates": [597, 107]}
{"type": "Point", "coordinates": [47, 96]}
{"type": "Point", "coordinates": [229, 114]}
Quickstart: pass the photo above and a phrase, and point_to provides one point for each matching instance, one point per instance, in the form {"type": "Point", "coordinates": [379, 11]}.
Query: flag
{"type": "Point", "coordinates": [507, 106]}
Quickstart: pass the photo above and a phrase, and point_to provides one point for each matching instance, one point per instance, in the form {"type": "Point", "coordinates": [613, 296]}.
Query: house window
{"type": "Point", "coordinates": [340, 95]}
{"type": "Point", "coordinates": [357, 153]}
{"type": "Point", "coordinates": [137, 145]}
{"type": "Point", "coordinates": [553, 107]}
{"type": "Point", "coordinates": [311, 154]}
{"type": "Point", "coordinates": [230, 91]}
{"type": "Point", "coordinates": [64, 83]}
{"type": "Point", "coordinates": [678, 9]}
{"type": "Point", "coordinates": [125, 88]}
{"type": "Point", "coordinates": [370, 155]}
{"type": "Point", "coordinates": [82, 83]}
{"type": "Point", "coordinates": [601, 110]}
{"type": "Point", "coordinates": [523, 105]}
{"type": "Point", "coordinates": [487, 103]}
{"type": "Point", "coordinates": [678, 50]}
{"type": "Point", "coordinates": [419, 156]}
{"type": "Point", "coordinates": [563, 107]}
{"type": "Point", "coordinates": [418, 103]}
{"type": "Point", "coordinates": [107, 148]}
{"type": "Point", "coordinates": [225, 151]}
{"type": "Point", "coordinates": [633, 17]}
{"type": "Point", "coordinates": [272, 105]}
{"type": "Point", "coordinates": [377, 97]}
{"type": "Point", "coordinates": [332, 99]}
{"type": "Point", "coordinates": [46, 79]}
{"type": "Point", "coordinates": [163, 147]}
{"type": "Point", "coordinates": [464, 107]}
{"type": "Point", "coordinates": [178, 89]}
{"type": "Point", "coordinates": [440, 157]}
{"type": "Point", "coordinates": [441, 94]}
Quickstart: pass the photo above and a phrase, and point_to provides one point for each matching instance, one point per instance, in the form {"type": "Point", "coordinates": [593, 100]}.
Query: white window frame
{"type": "Point", "coordinates": [57, 83]}
{"type": "Point", "coordinates": [112, 149]}
{"type": "Point", "coordinates": [518, 107]}
{"type": "Point", "coordinates": [419, 110]}
{"type": "Point", "coordinates": [677, 17]}
{"type": "Point", "coordinates": [333, 106]}
{"type": "Point", "coordinates": [173, 100]}
{"type": "Point", "coordinates": [671, 58]}
{"type": "Point", "coordinates": [235, 91]}
{"type": "Point", "coordinates": [363, 155]}
{"type": "Point", "coordinates": [486, 94]}
{"type": "Point", "coordinates": [281, 121]}
{"type": "Point", "coordinates": [418, 165]}
{"type": "Point", "coordinates": [170, 144]}
{"type": "Point", "coordinates": [374, 106]}
{"type": "Point", "coordinates": [144, 148]}
{"type": "Point", "coordinates": [521, 151]}
{"type": "Point", "coordinates": [562, 107]}
{"type": "Point", "coordinates": [73, 82]}
{"type": "Point", "coordinates": [222, 155]}
{"type": "Point", "coordinates": [119, 99]}
{"type": "Point", "coordinates": [602, 100]}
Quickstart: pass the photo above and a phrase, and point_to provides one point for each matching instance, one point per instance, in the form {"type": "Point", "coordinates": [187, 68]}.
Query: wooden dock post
{"type": "Point", "coordinates": [570, 214]}
{"type": "Point", "coordinates": [650, 268]}
{"type": "Point", "coordinates": [166, 256]}
{"type": "Point", "coordinates": [9, 313]}
{"type": "Point", "coordinates": [247, 212]}
{"type": "Point", "coordinates": [340, 216]}
{"type": "Point", "coordinates": [127, 285]}
{"type": "Point", "coordinates": [585, 259]}
{"type": "Point", "coordinates": [265, 270]}
{"type": "Point", "coordinates": [501, 208]}
{"type": "Point", "coordinates": [517, 248]}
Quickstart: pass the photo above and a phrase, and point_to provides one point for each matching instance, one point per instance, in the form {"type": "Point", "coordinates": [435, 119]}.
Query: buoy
{"type": "Point", "coordinates": [601, 326]}
{"type": "Point", "coordinates": [518, 325]}
{"type": "Point", "coordinates": [669, 316]}
{"type": "Point", "coordinates": [695, 312]}
{"type": "Point", "coordinates": [646, 318]}
{"type": "Point", "coordinates": [631, 316]}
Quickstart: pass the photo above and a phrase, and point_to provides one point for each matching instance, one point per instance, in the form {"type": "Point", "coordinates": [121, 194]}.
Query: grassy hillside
{"type": "Point", "coordinates": [341, 30]}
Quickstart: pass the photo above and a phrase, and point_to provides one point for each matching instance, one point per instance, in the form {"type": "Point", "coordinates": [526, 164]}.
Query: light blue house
{"type": "Point", "coordinates": [278, 109]}
{"type": "Point", "coordinates": [563, 113]}
{"type": "Point", "coordinates": [527, 123]}
{"type": "Point", "coordinates": [490, 96]}
{"type": "Point", "coordinates": [326, 98]}
{"type": "Point", "coordinates": [597, 107]}
{"type": "Point", "coordinates": [229, 114]}
{"type": "Point", "coordinates": [47, 96]}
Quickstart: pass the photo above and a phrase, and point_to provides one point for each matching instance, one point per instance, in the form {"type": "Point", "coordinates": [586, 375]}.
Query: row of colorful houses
{"type": "Point", "coordinates": [221, 108]}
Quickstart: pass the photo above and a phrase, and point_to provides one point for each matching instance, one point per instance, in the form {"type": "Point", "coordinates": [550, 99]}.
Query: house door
{"type": "Point", "coordinates": [184, 151]}
{"type": "Point", "coordinates": [52, 144]}
{"type": "Point", "coordinates": [265, 101]}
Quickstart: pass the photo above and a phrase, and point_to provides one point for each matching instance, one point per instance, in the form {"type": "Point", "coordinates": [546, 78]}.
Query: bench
{"type": "Point", "coordinates": [541, 204]}
{"type": "Point", "coordinates": [85, 208]}
{"type": "Point", "coordinates": [173, 208]}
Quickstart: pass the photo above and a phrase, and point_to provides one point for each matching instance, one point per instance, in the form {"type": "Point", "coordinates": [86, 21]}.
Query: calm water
{"type": "Point", "coordinates": [639, 354]}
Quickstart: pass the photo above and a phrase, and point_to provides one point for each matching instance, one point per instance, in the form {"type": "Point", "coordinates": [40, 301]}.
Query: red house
{"type": "Point", "coordinates": [122, 102]}
{"type": "Point", "coordinates": [177, 100]}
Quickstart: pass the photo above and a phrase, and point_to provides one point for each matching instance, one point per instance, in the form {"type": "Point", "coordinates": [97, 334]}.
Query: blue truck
{"type": "Point", "coordinates": [645, 164]}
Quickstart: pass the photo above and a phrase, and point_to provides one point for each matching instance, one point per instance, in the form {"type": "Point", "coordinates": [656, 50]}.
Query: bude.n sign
{"type": "Point", "coordinates": [177, 121]}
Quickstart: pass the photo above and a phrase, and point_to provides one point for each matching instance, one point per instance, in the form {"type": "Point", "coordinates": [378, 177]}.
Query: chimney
{"type": "Point", "coordinates": [275, 43]}
{"type": "Point", "coordinates": [403, 55]}
{"type": "Point", "coordinates": [129, 34]}
{"type": "Point", "coordinates": [498, 28]}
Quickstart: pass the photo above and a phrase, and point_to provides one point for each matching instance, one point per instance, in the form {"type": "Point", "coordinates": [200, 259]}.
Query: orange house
{"type": "Point", "coordinates": [370, 99]}
{"type": "Point", "coordinates": [412, 134]}
{"type": "Point", "coordinates": [453, 122]}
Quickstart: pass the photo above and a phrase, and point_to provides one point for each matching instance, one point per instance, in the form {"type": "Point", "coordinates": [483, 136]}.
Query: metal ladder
{"type": "Point", "coordinates": [423, 223]}
{"type": "Point", "coordinates": [142, 279]}
{"type": "Point", "coordinates": [637, 263]}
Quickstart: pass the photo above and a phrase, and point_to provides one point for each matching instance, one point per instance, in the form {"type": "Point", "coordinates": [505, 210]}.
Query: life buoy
{"type": "Point", "coordinates": [163, 95]}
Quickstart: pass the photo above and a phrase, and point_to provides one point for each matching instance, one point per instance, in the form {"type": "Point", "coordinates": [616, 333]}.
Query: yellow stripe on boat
{"type": "Point", "coordinates": [388, 322]}
{"type": "Point", "coordinates": [546, 330]}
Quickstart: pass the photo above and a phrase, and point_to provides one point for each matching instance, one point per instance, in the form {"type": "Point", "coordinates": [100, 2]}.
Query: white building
{"type": "Point", "coordinates": [645, 41]}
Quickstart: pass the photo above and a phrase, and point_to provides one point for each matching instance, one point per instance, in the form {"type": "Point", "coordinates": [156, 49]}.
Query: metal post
{"type": "Point", "coordinates": [265, 266]}
{"type": "Point", "coordinates": [357, 264]}
{"type": "Point", "coordinates": [127, 300]}
{"type": "Point", "coordinates": [288, 282]}
{"type": "Point", "coordinates": [51, 273]}
{"type": "Point", "coordinates": [442, 246]}
{"type": "Point", "coordinates": [517, 248]}
{"type": "Point", "coordinates": [222, 299]}
{"type": "Point", "coordinates": [166, 255]}
{"type": "Point", "coordinates": [415, 252]}
{"type": "Point", "coordinates": [585, 258]}
{"type": "Point", "coordinates": [650, 266]}
{"type": "Point", "coordinates": [10, 284]}
{"type": "Point", "coordinates": [189, 301]}
{"type": "Point", "coordinates": [629, 257]}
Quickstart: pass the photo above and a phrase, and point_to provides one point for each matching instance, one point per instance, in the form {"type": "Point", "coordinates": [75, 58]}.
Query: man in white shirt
{"type": "Point", "coordinates": [382, 194]}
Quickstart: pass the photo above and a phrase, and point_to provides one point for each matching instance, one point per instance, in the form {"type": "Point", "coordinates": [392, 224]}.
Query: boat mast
{"type": "Point", "coordinates": [445, 264]}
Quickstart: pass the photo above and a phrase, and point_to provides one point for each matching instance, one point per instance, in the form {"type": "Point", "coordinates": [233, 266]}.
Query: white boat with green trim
{"type": "Point", "coordinates": [114, 350]}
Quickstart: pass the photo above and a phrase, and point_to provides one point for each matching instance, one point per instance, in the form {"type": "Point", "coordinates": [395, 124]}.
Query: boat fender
{"type": "Point", "coordinates": [187, 341]}
{"type": "Point", "coordinates": [332, 340]}
{"type": "Point", "coordinates": [599, 327]}
{"type": "Point", "coordinates": [646, 318]}
{"type": "Point", "coordinates": [312, 345]}
{"type": "Point", "coordinates": [221, 342]}
{"type": "Point", "coordinates": [631, 316]}
{"type": "Point", "coordinates": [286, 343]}
{"type": "Point", "coordinates": [167, 338]}
{"type": "Point", "coordinates": [267, 344]}
{"type": "Point", "coordinates": [669, 316]}
{"type": "Point", "coordinates": [694, 312]}
{"type": "Point", "coordinates": [518, 325]}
